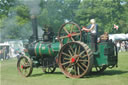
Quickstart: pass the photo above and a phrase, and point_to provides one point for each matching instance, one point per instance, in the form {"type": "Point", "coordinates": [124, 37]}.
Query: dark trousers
{"type": "Point", "coordinates": [94, 42]}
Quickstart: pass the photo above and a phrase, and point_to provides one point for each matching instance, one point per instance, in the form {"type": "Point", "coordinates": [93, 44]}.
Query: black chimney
{"type": "Point", "coordinates": [34, 27]}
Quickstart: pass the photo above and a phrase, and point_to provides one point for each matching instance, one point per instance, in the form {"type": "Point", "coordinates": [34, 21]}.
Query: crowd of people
{"type": "Point", "coordinates": [4, 53]}
{"type": "Point", "coordinates": [122, 46]}
{"type": "Point", "coordinates": [7, 52]}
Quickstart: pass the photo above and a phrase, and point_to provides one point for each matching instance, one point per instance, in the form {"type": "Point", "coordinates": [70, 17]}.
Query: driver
{"type": "Point", "coordinates": [93, 28]}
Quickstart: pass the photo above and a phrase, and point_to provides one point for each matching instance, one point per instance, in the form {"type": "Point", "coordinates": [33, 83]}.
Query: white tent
{"type": "Point", "coordinates": [13, 46]}
{"type": "Point", "coordinates": [4, 44]}
{"type": "Point", "coordinates": [126, 36]}
{"type": "Point", "coordinates": [115, 37]}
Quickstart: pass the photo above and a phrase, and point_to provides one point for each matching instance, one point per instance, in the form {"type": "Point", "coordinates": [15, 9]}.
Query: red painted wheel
{"type": "Point", "coordinates": [24, 66]}
{"type": "Point", "coordinates": [75, 59]}
{"type": "Point", "coordinates": [69, 32]}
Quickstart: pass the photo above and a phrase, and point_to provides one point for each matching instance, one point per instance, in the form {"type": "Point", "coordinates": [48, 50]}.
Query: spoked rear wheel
{"type": "Point", "coordinates": [24, 66]}
{"type": "Point", "coordinates": [75, 59]}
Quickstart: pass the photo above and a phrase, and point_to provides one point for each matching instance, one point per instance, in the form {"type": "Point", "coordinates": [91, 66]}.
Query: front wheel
{"type": "Point", "coordinates": [24, 66]}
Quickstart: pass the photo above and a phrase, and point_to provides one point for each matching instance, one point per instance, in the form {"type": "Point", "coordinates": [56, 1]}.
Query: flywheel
{"type": "Point", "coordinates": [69, 32]}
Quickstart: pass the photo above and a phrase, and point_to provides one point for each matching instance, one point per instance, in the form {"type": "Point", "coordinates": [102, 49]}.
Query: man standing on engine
{"type": "Point", "coordinates": [93, 28]}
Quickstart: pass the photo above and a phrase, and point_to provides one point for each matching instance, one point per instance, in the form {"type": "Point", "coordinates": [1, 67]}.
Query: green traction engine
{"type": "Point", "coordinates": [70, 50]}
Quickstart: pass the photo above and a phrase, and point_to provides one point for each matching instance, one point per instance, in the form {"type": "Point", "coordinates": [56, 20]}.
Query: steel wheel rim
{"type": "Point", "coordinates": [71, 35]}
{"type": "Point", "coordinates": [76, 69]}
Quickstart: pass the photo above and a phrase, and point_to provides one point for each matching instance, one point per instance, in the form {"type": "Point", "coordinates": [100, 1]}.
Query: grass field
{"type": "Point", "coordinates": [116, 76]}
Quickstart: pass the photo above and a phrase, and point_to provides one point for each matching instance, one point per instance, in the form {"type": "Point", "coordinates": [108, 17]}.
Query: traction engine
{"type": "Point", "coordinates": [71, 52]}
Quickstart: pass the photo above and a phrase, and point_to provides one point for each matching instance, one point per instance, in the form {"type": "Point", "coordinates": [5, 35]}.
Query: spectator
{"type": "Point", "coordinates": [122, 46]}
{"type": "Point", "coordinates": [118, 46]}
{"type": "Point", "coordinates": [126, 45]}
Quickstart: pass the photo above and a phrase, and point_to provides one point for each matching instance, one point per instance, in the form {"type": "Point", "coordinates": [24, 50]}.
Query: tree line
{"type": "Point", "coordinates": [15, 21]}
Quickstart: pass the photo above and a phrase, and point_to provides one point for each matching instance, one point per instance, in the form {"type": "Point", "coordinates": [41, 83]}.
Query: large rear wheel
{"type": "Point", "coordinates": [75, 59]}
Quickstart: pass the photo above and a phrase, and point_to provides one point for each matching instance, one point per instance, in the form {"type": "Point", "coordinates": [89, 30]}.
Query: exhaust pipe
{"type": "Point", "coordinates": [34, 27]}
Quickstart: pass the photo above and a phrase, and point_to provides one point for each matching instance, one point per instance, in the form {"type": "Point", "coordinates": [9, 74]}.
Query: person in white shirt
{"type": "Point", "coordinates": [93, 28]}
{"type": "Point", "coordinates": [118, 46]}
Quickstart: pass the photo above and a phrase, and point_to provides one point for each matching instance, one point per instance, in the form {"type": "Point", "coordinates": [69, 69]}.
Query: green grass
{"type": "Point", "coordinates": [116, 76]}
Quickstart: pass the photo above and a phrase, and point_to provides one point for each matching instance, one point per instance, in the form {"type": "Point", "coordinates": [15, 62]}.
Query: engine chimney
{"type": "Point", "coordinates": [34, 27]}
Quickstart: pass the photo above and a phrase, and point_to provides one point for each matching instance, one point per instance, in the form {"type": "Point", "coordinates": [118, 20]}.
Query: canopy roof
{"type": "Point", "coordinates": [116, 37]}
{"type": "Point", "coordinates": [4, 44]}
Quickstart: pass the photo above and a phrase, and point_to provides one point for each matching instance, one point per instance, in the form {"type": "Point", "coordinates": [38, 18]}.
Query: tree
{"type": "Point", "coordinates": [105, 12]}
{"type": "Point", "coordinates": [23, 14]}
{"type": "Point", "coordinates": [14, 22]}
{"type": "Point", "coordinates": [5, 5]}
{"type": "Point", "coordinates": [56, 12]}
{"type": "Point", "coordinates": [124, 19]}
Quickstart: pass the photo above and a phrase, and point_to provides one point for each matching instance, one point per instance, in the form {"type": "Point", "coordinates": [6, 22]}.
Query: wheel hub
{"type": "Point", "coordinates": [69, 35]}
{"type": "Point", "coordinates": [22, 66]}
{"type": "Point", "coordinates": [73, 60]}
